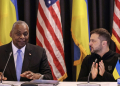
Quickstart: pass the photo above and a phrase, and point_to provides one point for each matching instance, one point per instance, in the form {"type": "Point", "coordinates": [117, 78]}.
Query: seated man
{"type": "Point", "coordinates": [106, 59]}
{"type": "Point", "coordinates": [26, 61]}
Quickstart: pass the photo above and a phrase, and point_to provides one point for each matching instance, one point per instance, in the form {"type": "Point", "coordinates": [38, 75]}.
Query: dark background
{"type": "Point", "coordinates": [100, 16]}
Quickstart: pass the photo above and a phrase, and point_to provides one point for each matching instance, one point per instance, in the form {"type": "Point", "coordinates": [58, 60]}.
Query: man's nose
{"type": "Point", "coordinates": [22, 36]}
{"type": "Point", "coordinates": [89, 43]}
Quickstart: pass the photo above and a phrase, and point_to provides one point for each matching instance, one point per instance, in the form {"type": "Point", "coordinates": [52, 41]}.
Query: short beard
{"type": "Point", "coordinates": [98, 49]}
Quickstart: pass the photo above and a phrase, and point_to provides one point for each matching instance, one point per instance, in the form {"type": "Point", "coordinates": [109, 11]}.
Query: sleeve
{"type": "Point", "coordinates": [45, 68]}
{"type": "Point", "coordinates": [83, 76]}
{"type": "Point", "coordinates": [108, 76]}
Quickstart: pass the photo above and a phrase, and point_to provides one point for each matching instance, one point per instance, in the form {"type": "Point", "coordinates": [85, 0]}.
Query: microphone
{"type": "Point", "coordinates": [89, 84]}
{"type": "Point", "coordinates": [5, 66]}
{"type": "Point", "coordinates": [91, 69]}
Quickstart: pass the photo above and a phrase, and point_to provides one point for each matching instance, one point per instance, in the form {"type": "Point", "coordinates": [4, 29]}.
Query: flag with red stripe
{"type": "Point", "coordinates": [116, 25]}
{"type": "Point", "coordinates": [49, 36]}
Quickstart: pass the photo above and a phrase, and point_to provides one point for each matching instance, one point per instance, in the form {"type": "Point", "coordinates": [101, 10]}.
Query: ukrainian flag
{"type": "Point", "coordinates": [80, 32]}
{"type": "Point", "coordinates": [116, 72]}
{"type": "Point", "coordinates": [8, 15]}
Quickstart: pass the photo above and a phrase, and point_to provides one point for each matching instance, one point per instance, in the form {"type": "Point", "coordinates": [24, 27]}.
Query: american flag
{"type": "Point", "coordinates": [49, 36]}
{"type": "Point", "coordinates": [116, 25]}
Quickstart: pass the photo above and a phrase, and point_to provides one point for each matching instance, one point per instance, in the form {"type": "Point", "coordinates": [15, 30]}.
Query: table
{"type": "Point", "coordinates": [75, 83]}
{"type": "Point", "coordinates": [15, 83]}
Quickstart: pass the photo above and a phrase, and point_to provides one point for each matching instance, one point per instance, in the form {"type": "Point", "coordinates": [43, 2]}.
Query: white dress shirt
{"type": "Point", "coordinates": [14, 48]}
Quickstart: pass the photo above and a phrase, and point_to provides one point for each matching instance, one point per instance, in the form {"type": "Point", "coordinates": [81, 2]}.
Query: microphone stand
{"type": "Point", "coordinates": [89, 84]}
{"type": "Point", "coordinates": [91, 69]}
{"type": "Point", "coordinates": [5, 66]}
{"type": "Point", "coordinates": [1, 79]}
{"type": "Point", "coordinates": [89, 77]}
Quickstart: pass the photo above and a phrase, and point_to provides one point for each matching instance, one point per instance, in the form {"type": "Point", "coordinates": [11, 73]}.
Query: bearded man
{"type": "Point", "coordinates": [106, 59]}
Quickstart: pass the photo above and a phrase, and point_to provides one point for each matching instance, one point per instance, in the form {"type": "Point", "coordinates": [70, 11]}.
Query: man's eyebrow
{"type": "Point", "coordinates": [26, 31]}
{"type": "Point", "coordinates": [18, 30]}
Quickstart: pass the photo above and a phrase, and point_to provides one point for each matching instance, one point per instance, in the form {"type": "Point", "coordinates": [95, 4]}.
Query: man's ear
{"type": "Point", "coordinates": [11, 34]}
{"type": "Point", "coordinates": [104, 43]}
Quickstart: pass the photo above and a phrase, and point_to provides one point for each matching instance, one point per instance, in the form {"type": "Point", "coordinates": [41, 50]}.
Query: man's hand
{"type": "Point", "coordinates": [101, 68]}
{"type": "Point", "coordinates": [94, 70]}
{"type": "Point", "coordinates": [30, 75]}
{"type": "Point", "coordinates": [1, 75]}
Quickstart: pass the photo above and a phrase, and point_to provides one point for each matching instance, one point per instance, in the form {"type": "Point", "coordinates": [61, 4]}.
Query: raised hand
{"type": "Point", "coordinates": [94, 70]}
{"type": "Point", "coordinates": [101, 68]}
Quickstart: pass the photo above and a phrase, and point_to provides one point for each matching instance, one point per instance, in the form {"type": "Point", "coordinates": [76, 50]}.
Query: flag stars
{"type": "Point", "coordinates": [49, 2]}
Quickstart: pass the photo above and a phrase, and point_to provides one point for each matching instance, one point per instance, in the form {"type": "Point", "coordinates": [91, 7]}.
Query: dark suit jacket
{"type": "Point", "coordinates": [35, 60]}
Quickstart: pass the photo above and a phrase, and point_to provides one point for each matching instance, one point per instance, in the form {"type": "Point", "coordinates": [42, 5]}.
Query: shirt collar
{"type": "Point", "coordinates": [15, 49]}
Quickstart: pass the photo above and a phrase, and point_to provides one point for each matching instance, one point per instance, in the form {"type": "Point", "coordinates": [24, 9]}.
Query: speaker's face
{"type": "Point", "coordinates": [20, 35]}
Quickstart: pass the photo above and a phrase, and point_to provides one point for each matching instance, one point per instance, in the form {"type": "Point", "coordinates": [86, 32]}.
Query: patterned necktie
{"type": "Point", "coordinates": [18, 64]}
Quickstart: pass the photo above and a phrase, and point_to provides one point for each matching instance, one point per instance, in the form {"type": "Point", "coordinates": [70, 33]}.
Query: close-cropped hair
{"type": "Point", "coordinates": [19, 22]}
{"type": "Point", "coordinates": [104, 35]}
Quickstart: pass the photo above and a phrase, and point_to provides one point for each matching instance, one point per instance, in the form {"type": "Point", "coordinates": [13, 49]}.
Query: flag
{"type": "Point", "coordinates": [116, 25]}
{"type": "Point", "coordinates": [80, 32]}
{"type": "Point", "coordinates": [116, 35]}
{"type": "Point", "coordinates": [49, 36]}
{"type": "Point", "coordinates": [116, 71]}
{"type": "Point", "coordinates": [8, 15]}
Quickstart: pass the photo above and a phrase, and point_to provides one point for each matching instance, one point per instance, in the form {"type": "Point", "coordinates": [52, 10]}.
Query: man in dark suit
{"type": "Point", "coordinates": [34, 60]}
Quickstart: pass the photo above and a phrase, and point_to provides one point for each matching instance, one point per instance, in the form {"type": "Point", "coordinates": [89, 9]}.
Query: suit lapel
{"type": "Point", "coordinates": [27, 58]}
{"type": "Point", "coordinates": [11, 64]}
